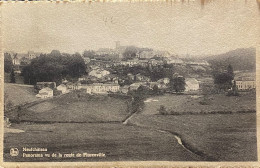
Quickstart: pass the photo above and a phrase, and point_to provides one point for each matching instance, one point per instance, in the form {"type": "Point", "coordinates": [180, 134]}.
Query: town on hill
{"type": "Point", "coordinates": [122, 69]}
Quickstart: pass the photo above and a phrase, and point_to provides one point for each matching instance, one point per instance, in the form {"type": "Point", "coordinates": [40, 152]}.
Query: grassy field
{"type": "Point", "coordinates": [18, 94]}
{"type": "Point", "coordinates": [229, 137]}
{"type": "Point", "coordinates": [224, 137]}
{"type": "Point", "coordinates": [78, 107]}
{"type": "Point", "coordinates": [83, 123]}
{"type": "Point", "coordinates": [119, 142]}
{"type": "Point", "coordinates": [200, 103]}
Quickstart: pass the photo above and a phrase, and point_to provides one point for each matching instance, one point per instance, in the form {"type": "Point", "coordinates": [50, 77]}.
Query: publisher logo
{"type": "Point", "coordinates": [14, 152]}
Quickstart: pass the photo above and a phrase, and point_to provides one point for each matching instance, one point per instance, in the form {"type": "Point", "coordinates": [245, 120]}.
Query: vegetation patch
{"type": "Point", "coordinates": [233, 135]}
{"type": "Point", "coordinates": [78, 107]}
{"type": "Point", "coordinates": [205, 104]}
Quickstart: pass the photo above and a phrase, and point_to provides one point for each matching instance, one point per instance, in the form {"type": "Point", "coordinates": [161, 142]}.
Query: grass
{"type": "Point", "coordinates": [78, 107]}
{"type": "Point", "coordinates": [187, 104]}
{"type": "Point", "coordinates": [18, 94]}
{"type": "Point", "coordinates": [220, 137]}
{"type": "Point", "coordinates": [119, 142]}
{"type": "Point", "coordinates": [223, 137]}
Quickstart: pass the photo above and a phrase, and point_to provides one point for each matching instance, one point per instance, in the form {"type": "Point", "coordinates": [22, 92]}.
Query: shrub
{"type": "Point", "coordinates": [162, 110]}
{"type": "Point", "coordinates": [205, 101]}
{"type": "Point", "coordinates": [232, 93]}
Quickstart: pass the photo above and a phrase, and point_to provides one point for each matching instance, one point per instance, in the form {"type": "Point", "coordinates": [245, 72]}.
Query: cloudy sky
{"type": "Point", "coordinates": [181, 28]}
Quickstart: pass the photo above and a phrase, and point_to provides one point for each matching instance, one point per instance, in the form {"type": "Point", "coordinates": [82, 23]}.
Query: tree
{"type": "Point", "coordinates": [223, 80]}
{"type": "Point", "coordinates": [233, 91]}
{"type": "Point", "coordinates": [155, 89]}
{"type": "Point", "coordinates": [27, 75]}
{"type": "Point", "coordinates": [130, 52]}
{"type": "Point", "coordinates": [88, 53]}
{"type": "Point", "coordinates": [55, 53]}
{"type": "Point", "coordinates": [53, 67]}
{"type": "Point", "coordinates": [143, 90]}
{"type": "Point", "coordinates": [230, 71]}
{"type": "Point", "coordinates": [12, 76]}
{"type": "Point", "coordinates": [76, 66]}
{"type": "Point", "coordinates": [8, 63]}
{"type": "Point", "coordinates": [138, 102]}
{"type": "Point", "coordinates": [162, 110]}
{"type": "Point", "coordinates": [177, 83]}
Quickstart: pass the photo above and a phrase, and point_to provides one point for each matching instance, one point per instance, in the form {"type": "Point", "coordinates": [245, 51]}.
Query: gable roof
{"type": "Point", "coordinates": [44, 93]}
{"type": "Point", "coordinates": [61, 85]}
{"type": "Point", "coordinates": [191, 80]}
{"type": "Point", "coordinates": [46, 89]}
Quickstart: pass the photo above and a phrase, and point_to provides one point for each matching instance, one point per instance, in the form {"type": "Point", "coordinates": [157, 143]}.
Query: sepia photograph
{"type": "Point", "coordinates": [130, 81]}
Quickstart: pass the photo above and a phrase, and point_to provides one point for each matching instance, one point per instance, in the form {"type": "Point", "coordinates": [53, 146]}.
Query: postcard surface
{"type": "Point", "coordinates": [129, 83]}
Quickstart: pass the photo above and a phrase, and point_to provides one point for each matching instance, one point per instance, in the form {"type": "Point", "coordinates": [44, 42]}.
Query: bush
{"type": "Point", "coordinates": [205, 101]}
{"type": "Point", "coordinates": [232, 93]}
{"type": "Point", "coordinates": [162, 110]}
{"type": "Point", "coordinates": [56, 92]}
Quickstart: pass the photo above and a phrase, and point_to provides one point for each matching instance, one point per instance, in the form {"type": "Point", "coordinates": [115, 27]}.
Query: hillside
{"type": "Point", "coordinates": [19, 94]}
{"type": "Point", "coordinates": [241, 59]}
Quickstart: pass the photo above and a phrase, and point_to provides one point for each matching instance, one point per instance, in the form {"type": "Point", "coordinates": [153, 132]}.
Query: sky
{"type": "Point", "coordinates": [180, 28]}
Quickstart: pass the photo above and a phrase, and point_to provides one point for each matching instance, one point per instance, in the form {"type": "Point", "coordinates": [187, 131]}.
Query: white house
{"type": "Point", "coordinates": [245, 83]}
{"type": "Point", "coordinates": [31, 55]}
{"type": "Point", "coordinates": [198, 62]}
{"type": "Point", "coordinates": [143, 63]}
{"type": "Point", "coordinates": [99, 73]}
{"type": "Point", "coordinates": [163, 83]}
{"type": "Point", "coordinates": [130, 63]}
{"type": "Point", "coordinates": [62, 88]}
{"type": "Point", "coordinates": [86, 60]}
{"type": "Point", "coordinates": [155, 62]}
{"type": "Point", "coordinates": [101, 88]}
{"type": "Point", "coordinates": [191, 84]}
{"type": "Point", "coordinates": [173, 60]}
{"type": "Point", "coordinates": [64, 81]}
{"type": "Point", "coordinates": [136, 85]}
{"type": "Point", "coordinates": [142, 78]}
{"type": "Point", "coordinates": [16, 60]}
{"type": "Point", "coordinates": [45, 93]}
{"type": "Point", "coordinates": [73, 86]}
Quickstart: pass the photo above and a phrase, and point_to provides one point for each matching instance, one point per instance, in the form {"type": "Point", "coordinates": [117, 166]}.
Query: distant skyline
{"type": "Point", "coordinates": [180, 28]}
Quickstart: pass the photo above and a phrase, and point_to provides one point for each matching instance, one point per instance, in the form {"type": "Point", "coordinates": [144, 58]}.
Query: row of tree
{"type": "Point", "coordinates": [9, 67]}
{"type": "Point", "coordinates": [8, 63]}
{"type": "Point", "coordinates": [53, 67]}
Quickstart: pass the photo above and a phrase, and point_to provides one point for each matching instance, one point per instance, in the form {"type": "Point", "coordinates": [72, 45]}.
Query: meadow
{"type": "Point", "coordinates": [77, 107]}
{"type": "Point", "coordinates": [199, 104]}
{"type": "Point", "coordinates": [119, 142]}
{"type": "Point", "coordinates": [19, 94]}
{"type": "Point", "coordinates": [217, 137]}
{"type": "Point", "coordinates": [77, 122]}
